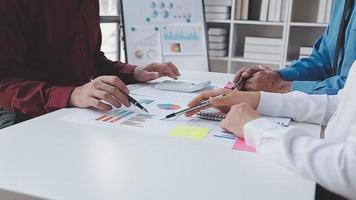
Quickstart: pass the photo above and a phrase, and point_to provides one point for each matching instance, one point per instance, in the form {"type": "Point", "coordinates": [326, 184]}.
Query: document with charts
{"type": "Point", "coordinates": [135, 120]}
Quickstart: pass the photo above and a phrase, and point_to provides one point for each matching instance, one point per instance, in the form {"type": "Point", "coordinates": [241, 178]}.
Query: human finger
{"type": "Point", "coordinates": [206, 95]}
{"type": "Point", "coordinates": [116, 82]}
{"type": "Point", "coordinates": [174, 68]}
{"type": "Point", "coordinates": [115, 92]}
{"type": "Point", "coordinates": [107, 97]}
{"type": "Point", "coordinates": [97, 104]}
{"type": "Point", "coordinates": [239, 74]}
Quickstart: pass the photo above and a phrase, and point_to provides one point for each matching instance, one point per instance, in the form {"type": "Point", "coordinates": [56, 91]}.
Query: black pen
{"type": "Point", "coordinates": [136, 103]}
{"type": "Point", "coordinates": [199, 105]}
{"type": "Point", "coordinates": [240, 82]}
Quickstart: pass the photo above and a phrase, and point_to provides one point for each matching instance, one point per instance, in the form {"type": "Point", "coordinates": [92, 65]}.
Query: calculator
{"type": "Point", "coordinates": [182, 86]}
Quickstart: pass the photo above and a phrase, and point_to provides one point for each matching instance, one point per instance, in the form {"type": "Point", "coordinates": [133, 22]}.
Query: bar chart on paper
{"type": "Point", "coordinates": [138, 120]}
{"type": "Point", "coordinates": [114, 116]}
{"type": "Point", "coordinates": [120, 114]}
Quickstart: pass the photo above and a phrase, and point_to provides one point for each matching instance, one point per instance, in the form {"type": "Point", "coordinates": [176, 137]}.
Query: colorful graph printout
{"type": "Point", "coordinates": [168, 106]}
{"type": "Point", "coordinates": [138, 120]}
{"type": "Point", "coordinates": [114, 116]}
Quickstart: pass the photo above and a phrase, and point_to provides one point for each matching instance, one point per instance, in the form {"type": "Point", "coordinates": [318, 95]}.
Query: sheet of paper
{"type": "Point", "coordinates": [150, 91]}
{"type": "Point", "coordinates": [240, 145]}
{"type": "Point", "coordinates": [191, 132]}
{"type": "Point", "coordinates": [135, 120]}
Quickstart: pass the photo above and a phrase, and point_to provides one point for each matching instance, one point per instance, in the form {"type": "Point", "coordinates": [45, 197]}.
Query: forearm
{"type": "Point", "coordinates": [329, 86]}
{"type": "Point", "coordinates": [33, 98]}
{"type": "Point", "coordinates": [298, 106]}
{"type": "Point", "coordinates": [330, 164]}
{"type": "Point", "coordinates": [122, 70]}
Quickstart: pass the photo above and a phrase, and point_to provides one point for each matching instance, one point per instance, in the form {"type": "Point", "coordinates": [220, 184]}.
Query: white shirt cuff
{"type": "Point", "coordinates": [254, 131]}
{"type": "Point", "coordinates": [271, 104]}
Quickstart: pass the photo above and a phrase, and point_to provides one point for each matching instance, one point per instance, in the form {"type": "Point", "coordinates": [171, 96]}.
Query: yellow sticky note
{"type": "Point", "coordinates": [191, 132]}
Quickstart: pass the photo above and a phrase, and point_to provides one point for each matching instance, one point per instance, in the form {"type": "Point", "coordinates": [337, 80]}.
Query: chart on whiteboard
{"type": "Point", "coordinates": [147, 45]}
{"type": "Point", "coordinates": [181, 11]}
{"type": "Point", "coordinates": [182, 40]}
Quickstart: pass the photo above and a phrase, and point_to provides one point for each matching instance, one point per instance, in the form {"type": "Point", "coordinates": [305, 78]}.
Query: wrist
{"type": "Point", "coordinates": [255, 99]}
{"type": "Point", "coordinates": [74, 98]}
{"type": "Point", "coordinates": [285, 86]}
{"type": "Point", "coordinates": [135, 72]}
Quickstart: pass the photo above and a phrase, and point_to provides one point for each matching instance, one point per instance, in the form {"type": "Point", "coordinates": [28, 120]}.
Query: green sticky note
{"type": "Point", "coordinates": [191, 132]}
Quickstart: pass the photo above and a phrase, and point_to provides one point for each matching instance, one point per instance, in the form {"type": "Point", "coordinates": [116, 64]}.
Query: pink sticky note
{"type": "Point", "coordinates": [240, 145]}
{"type": "Point", "coordinates": [229, 85]}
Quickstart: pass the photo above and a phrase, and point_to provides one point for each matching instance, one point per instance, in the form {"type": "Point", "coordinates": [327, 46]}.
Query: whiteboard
{"type": "Point", "coordinates": [166, 31]}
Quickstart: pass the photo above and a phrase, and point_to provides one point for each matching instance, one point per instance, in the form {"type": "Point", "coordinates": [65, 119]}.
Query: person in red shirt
{"type": "Point", "coordinates": [50, 58]}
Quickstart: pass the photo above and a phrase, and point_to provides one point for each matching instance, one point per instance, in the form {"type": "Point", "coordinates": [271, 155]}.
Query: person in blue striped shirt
{"type": "Point", "coordinates": [324, 72]}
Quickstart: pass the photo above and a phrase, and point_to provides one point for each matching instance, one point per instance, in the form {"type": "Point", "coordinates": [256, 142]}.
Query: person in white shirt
{"type": "Point", "coordinates": [331, 162]}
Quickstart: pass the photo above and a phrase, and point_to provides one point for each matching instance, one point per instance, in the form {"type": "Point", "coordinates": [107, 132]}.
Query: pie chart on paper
{"type": "Point", "coordinates": [168, 106]}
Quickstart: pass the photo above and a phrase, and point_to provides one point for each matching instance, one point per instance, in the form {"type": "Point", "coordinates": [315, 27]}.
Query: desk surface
{"type": "Point", "coordinates": [50, 158]}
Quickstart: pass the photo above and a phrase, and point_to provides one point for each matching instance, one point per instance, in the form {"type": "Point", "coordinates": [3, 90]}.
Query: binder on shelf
{"type": "Point", "coordinates": [264, 41]}
{"type": "Point", "coordinates": [245, 8]}
{"type": "Point", "coordinates": [271, 10]}
{"type": "Point", "coordinates": [283, 10]}
{"type": "Point", "coordinates": [263, 48]}
{"type": "Point", "coordinates": [238, 9]}
{"type": "Point", "coordinates": [264, 10]}
{"type": "Point", "coordinates": [262, 56]}
{"type": "Point", "coordinates": [278, 14]}
{"type": "Point", "coordinates": [329, 6]}
{"type": "Point", "coordinates": [217, 16]}
{"type": "Point", "coordinates": [322, 11]}
{"type": "Point", "coordinates": [260, 48]}
{"type": "Point", "coordinates": [217, 53]}
{"type": "Point", "coordinates": [217, 46]}
{"type": "Point", "coordinates": [217, 31]}
{"type": "Point", "coordinates": [213, 38]}
{"type": "Point", "coordinates": [217, 9]}
{"type": "Point", "coordinates": [218, 2]}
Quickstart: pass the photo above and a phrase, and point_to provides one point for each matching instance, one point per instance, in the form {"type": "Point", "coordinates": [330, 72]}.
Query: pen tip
{"type": "Point", "coordinates": [146, 110]}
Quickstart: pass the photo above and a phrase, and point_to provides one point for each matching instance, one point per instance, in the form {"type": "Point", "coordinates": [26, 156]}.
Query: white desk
{"type": "Point", "coordinates": [54, 159]}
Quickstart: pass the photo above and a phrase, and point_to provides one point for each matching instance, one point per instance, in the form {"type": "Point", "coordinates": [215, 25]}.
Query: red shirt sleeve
{"type": "Point", "coordinates": [17, 92]}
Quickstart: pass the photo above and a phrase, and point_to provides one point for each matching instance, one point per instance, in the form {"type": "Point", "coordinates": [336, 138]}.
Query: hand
{"type": "Point", "coordinates": [238, 117]}
{"type": "Point", "coordinates": [108, 88]}
{"type": "Point", "coordinates": [156, 70]}
{"type": "Point", "coordinates": [268, 81]}
{"type": "Point", "coordinates": [231, 98]}
{"type": "Point", "coordinates": [246, 72]}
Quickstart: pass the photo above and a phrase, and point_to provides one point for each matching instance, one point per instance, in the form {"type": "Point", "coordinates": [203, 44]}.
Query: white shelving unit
{"type": "Point", "coordinates": [299, 28]}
